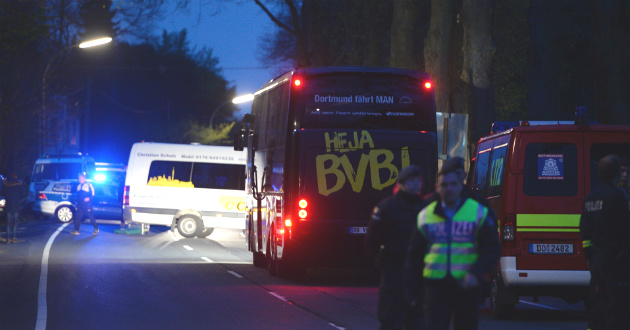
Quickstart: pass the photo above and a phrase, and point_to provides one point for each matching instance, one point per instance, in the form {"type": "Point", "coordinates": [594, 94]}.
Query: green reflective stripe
{"type": "Point", "coordinates": [428, 273]}
{"type": "Point", "coordinates": [548, 220]}
{"type": "Point", "coordinates": [555, 230]}
{"type": "Point", "coordinates": [587, 243]}
{"type": "Point", "coordinates": [437, 258]}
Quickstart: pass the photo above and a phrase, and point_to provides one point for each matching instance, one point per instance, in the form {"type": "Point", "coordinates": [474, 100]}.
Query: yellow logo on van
{"type": "Point", "coordinates": [164, 181]}
{"type": "Point", "coordinates": [231, 202]}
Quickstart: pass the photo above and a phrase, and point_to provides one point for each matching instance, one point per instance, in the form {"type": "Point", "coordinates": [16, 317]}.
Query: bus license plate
{"type": "Point", "coordinates": [358, 230]}
{"type": "Point", "coordinates": [550, 248]}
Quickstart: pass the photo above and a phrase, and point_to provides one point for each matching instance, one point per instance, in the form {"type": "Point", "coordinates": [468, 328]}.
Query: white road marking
{"type": "Point", "coordinates": [42, 307]}
{"type": "Point", "coordinates": [188, 248]}
{"type": "Point", "coordinates": [539, 305]}
{"type": "Point", "coordinates": [207, 259]}
{"type": "Point", "coordinates": [334, 326]}
{"type": "Point", "coordinates": [235, 273]}
{"type": "Point", "coordinates": [278, 296]}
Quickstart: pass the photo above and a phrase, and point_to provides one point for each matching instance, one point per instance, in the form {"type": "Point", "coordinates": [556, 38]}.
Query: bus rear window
{"type": "Point", "coordinates": [196, 175]}
{"type": "Point", "coordinates": [377, 101]}
{"type": "Point", "coordinates": [550, 169]}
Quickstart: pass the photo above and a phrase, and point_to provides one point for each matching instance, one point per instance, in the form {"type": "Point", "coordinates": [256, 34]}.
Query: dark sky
{"type": "Point", "coordinates": [233, 31]}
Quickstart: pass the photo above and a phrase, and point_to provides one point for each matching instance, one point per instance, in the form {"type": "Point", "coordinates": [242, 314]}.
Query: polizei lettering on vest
{"type": "Point", "coordinates": [341, 170]}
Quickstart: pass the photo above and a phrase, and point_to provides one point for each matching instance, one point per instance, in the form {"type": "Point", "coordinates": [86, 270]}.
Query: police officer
{"type": "Point", "coordinates": [605, 232]}
{"type": "Point", "coordinates": [454, 246]}
{"type": "Point", "coordinates": [85, 193]}
{"type": "Point", "coordinates": [391, 225]}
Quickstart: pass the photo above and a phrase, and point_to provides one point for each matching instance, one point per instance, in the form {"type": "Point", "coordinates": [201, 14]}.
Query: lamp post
{"type": "Point", "coordinates": [42, 114]}
{"type": "Point", "coordinates": [236, 100]}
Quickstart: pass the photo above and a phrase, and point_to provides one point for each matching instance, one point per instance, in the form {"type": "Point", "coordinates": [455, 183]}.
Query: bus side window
{"type": "Point", "coordinates": [497, 165]}
{"type": "Point", "coordinates": [481, 172]}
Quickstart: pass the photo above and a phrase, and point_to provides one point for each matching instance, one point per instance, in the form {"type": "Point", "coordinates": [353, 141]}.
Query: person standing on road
{"type": "Point", "coordinates": [390, 228]}
{"type": "Point", "coordinates": [85, 193]}
{"type": "Point", "coordinates": [605, 232]}
{"type": "Point", "coordinates": [12, 192]}
{"type": "Point", "coordinates": [455, 245]}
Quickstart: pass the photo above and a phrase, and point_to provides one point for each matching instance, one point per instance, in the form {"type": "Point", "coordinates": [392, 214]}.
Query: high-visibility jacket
{"type": "Point", "coordinates": [452, 243]}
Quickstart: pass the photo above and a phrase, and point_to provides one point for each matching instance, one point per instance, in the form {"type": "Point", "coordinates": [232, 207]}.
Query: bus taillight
{"type": "Point", "coordinates": [297, 82]}
{"type": "Point", "coordinates": [302, 214]}
{"type": "Point", "coordinates": [427, 85]}
{"type": "Point", "coordinates": [508, 230]}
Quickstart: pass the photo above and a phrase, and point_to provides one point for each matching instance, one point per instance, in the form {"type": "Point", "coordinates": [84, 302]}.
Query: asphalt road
{"type": "Point", "coordinates": [163, 281]}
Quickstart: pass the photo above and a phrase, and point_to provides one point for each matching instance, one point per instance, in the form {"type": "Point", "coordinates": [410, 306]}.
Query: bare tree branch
{"type": "Point", "coordinates": [278, 22]}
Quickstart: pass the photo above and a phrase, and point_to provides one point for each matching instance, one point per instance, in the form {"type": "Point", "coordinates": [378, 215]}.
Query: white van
{"type": "Point", "coordinates": [55, 167]}
{"type": "Point", "coordinates": [194, 188]}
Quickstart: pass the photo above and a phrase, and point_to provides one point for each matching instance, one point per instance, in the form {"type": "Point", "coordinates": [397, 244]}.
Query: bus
{"type": "Point", "coordinates": [325, 145]}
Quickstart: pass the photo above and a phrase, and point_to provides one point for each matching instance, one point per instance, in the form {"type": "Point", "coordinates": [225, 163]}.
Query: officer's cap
{"type": "Point", "coordinates": [409, 172]}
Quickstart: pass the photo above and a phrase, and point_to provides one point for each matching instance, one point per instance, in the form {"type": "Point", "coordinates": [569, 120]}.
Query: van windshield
{"type": "Point", "coordinates": [56, 171]}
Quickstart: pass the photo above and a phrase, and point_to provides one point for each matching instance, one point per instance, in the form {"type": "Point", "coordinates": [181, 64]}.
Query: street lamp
{"type": "Point", "coordinates": [236, 100]}
{"type": "Point", "coordinates": [42, 114]}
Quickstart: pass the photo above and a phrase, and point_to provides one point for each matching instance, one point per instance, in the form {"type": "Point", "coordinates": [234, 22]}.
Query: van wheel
{"type": "Point", "coordinates": [206, 232]}
{"type": "Point", "coordinates": [64, 214]}
{"type": "Point", "coordinates": [500, 309]}
{"type": "Point", "coordinates": [189, 227]}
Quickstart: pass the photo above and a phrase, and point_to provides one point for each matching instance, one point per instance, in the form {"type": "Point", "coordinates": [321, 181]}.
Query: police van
{"type": "Point", "coordinates": [58, 167]}
{"type": "Point", "coordinates": [536, 175]}
{"type": "Point", "coordinates": [194, 188]}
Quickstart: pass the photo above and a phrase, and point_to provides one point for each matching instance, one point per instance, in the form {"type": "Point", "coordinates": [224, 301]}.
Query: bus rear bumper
{"type": "Point", "coordinates": [513, 277]}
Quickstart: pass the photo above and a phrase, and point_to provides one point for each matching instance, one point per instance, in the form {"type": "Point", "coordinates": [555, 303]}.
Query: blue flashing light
{"type": "Point", "coordinates": [100, 177]}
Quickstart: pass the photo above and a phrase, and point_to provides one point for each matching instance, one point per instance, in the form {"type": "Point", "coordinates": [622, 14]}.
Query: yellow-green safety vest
{"type": "Point", "coordinates": [451, 250]}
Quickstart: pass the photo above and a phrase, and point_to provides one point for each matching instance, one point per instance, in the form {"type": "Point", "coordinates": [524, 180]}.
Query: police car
{"type": "Point", "coordinates": [58, 200]}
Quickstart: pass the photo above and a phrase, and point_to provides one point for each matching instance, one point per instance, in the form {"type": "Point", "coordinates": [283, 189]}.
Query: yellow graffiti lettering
{"type": "Point", "coordinates": [366, 138]}
{"type": "Point", "coordinates": [404, 157]}
{"type": "Point", "coordinates": [329, 142]}
{"type": "Point", "coordinates": [341, 138]}
{"type": "Point", "coordinates": [375, 168]}
{"type": "Point", "coordinates": [357, 177]}
{"type": "Point", "coordinates": [339, 142]}
{"type": "Point", "coordinates": [333, 169]}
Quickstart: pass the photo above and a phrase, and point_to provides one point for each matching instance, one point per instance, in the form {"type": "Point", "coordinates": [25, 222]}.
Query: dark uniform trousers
{"type": "Point", "coordinates": [393, 311]}
{"type": "Point", "coordinates": [612, 300]}
{"type": "Point", "coordinates": [446, 295]}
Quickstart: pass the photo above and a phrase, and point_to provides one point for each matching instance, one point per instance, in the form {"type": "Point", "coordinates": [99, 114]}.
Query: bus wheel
{"type": "Point", "coordinates": [498, 292]}
{"type": "Point", "coordinates": [272, 261]}
{"type": "Point", "coordinates": [64, 214]}
{"type": "Point", "coordinates": [206, 232]}
{"type": "Point", "coordinates": [189, 226]}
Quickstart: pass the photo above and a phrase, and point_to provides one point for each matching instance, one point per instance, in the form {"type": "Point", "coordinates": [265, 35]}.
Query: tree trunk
{"type": "Point", "coordinates": [403, 50]}
{"type": "Point", "coordinates": [436, 50]}
{"type": "Point", "coordinates": [609, 54]}
{"type": "Point", "coordinates": [545, 60]}
{"type": "Point", "coordinates": [478, 53]}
